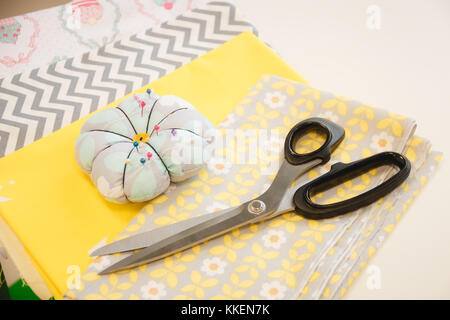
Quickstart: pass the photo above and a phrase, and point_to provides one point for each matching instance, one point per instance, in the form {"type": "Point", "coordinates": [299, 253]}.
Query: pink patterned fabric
{"type": "Point", "coordinates": [43, 37]}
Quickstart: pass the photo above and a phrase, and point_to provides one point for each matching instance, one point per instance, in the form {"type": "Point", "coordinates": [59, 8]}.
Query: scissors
{"type": "Point", "coordinates": [279, 198]}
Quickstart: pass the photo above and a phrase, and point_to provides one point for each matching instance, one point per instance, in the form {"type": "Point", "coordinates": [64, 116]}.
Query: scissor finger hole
{"type": "Point", "coordinates": [351, 184]}
{"type": "Point", "coordinates": [309, 140]}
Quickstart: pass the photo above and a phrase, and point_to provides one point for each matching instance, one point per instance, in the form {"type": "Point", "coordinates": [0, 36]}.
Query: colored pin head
{"type": "Point", "coordinates": [127, 161]}
{"type": "Point", "coordinates": [142, 160]}
{"type": "Point", "coordinates": [141, 103]}
{"type": "Point", "coordinates": [149, 91]}
{"type": "Point", "coordinates": [149, 155]}
{"type": "Point", "coordinates": [173, 132]}
{"type": "Point", "coordinates": [156, 128]}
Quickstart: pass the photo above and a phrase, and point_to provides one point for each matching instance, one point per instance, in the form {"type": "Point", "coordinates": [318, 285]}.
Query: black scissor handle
{"type": "Point", "coordinates": [341, 172]}
{"type": "Point", "coordinates": [335, 134]}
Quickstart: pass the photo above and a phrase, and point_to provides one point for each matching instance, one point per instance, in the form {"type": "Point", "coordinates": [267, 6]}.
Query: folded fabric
{"type": "Point", "coordinates": [327, 279]}
{"type": "Point", "coordinates": [40, 38]}
{"type": "Point", "coordinates": [413, 187]}
{"type": "Point", "coordinates": [269, 260]}
{"type": "Point", "coordinates": [54, 226]}
{"type": "Point", "coordinates": [4, 293]}
{"type": "Point", "coordinates": [342, 264]}
{"type": "Point", "coordinates": [38, 102]}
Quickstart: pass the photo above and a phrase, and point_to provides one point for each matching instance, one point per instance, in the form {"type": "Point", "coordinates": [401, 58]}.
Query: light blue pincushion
{"type": "Point", "coordinates": [133, 151]}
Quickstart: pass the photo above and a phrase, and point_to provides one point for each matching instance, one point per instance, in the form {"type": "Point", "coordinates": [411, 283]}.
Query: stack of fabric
{"type": "Point", "coordinates": [285, 258]}
{"type": "Point", "coordinates": [4, 293]}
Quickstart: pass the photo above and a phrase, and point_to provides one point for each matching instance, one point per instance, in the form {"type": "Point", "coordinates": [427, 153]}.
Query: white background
{"type": "Point", "coordinates": [403, 67]}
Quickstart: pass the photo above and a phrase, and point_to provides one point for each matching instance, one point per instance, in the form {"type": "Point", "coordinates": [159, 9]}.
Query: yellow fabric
{"type": "Point", "coordinates": [56, 211]}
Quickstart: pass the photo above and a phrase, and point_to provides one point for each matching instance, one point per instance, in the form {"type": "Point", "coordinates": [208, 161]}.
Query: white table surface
{"type": "Point", "coordinates": [403, 66]}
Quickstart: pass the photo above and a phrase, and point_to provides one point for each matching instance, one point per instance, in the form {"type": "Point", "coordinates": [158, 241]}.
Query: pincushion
{"type": "Point", "coordinates": [133, 152]}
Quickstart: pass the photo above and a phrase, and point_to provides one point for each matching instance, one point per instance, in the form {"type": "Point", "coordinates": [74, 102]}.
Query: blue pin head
{"type": "Point", "coordinates": [149, 91]}
{"type": "Point", "coordinates": [135, 143]}
{"type": "Point", "coordinates": [142, 160]}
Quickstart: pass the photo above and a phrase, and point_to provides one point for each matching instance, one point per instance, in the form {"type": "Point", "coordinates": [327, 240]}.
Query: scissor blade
{"type": "Point", "coordinates": [211, 228]}
{"type": "Point", "coordinates": [148, 238]}
{"type": "Point", "coordinates": [287, 202]}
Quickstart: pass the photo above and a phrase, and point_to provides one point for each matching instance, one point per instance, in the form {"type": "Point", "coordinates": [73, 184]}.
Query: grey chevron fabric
{"type": "Point", "coordinates": [38, 102]}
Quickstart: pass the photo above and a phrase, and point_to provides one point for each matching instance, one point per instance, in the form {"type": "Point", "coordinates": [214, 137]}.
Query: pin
{"type": "Point", "coordinates": [156, 128]}
{"type": "Point", "coordinates": [173, 132]}
{"type": "Point", "coordinates": [136, 144]}
{"type": "Point", "coordinates": [142, 160]}
{"type": "Point", "coordinates": [149, 91]}
{"type": "Point", "coordinates": [127, 161]}
{"type": "Point", "coordinates": [141, 103]}
{"type": "Point", "coordinates": [149, 155]}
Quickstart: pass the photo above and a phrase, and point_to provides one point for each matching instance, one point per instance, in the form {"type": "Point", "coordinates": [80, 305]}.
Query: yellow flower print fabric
{"type": "Point", "coordinates": [350, 255]}
{"type": "Point", "coordinates": [287, 257]}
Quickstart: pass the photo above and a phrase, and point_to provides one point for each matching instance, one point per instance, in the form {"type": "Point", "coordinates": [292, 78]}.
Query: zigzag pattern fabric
{"type": "Point", "coordinates": [38, 102]}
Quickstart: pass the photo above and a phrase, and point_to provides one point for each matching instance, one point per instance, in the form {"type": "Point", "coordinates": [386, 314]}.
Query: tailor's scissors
{"type": "Point", "coordinates": [278, 199]}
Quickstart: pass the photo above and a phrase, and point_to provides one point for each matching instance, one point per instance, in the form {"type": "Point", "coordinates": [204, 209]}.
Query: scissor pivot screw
{"type": "Point", "coordinates": [256, 207]}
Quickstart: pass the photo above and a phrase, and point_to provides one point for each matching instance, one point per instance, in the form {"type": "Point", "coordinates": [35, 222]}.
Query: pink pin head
{"type": "Point", "coordinates": [142, 104]}
{"type": "Point", "coordinates": [156, 127]}
{"type": "Point", "coordinates": [149, 155]}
